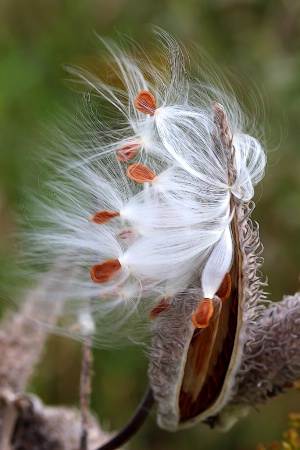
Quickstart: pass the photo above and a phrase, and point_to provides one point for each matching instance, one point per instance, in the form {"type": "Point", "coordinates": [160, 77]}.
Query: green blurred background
{"type": "Point", "coordinates": [259, 41]}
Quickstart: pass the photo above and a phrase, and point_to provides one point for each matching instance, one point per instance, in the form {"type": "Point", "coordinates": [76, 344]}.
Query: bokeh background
{"type": "Point", "coordinates": [258, 40]}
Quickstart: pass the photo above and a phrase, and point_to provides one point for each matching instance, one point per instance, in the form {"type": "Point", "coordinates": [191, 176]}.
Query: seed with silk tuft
{"type": "Point", "coordinates": [102, 272]}
{"type": "Point", "coordinates": [145, 102]}
{"type": "Point", "coordinates": [163, 305]}
{"type": "Point", "coordinates": [140, 173]}
{"type": "Point", "coordinates": [224, 290]}
{"type": "Point", "coordinates": [127, 152]}
{"type": "Point", "coordinates": [204, 313]}
{"type": "Point", "coordinates": [103, 216]}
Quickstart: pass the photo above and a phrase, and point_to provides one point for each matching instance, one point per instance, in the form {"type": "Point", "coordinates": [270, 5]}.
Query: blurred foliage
{"type": "Point", "coordinates": [259, 41]}
{"type": "Point", "coordinates": [290, 438]}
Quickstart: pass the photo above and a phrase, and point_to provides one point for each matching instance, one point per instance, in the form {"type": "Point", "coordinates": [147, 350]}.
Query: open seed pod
{"type": "Point", "coordinates": [193, 368]}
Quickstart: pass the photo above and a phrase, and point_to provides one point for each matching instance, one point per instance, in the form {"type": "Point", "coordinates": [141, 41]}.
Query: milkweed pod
{"type": "Point", "coordinates": [184, 227]}
{"type": "Point", "coordinates": [199, 378]}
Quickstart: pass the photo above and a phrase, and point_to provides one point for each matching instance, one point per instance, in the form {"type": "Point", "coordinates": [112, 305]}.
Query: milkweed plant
{"type": "Point", "coordinates": [145, 226]}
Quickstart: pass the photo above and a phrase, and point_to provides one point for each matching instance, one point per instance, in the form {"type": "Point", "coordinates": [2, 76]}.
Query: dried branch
{"type": "Point", "coordinates": [24, 421]}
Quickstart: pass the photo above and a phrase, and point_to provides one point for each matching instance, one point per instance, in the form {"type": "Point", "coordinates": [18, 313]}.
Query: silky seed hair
{"type": "Point", "coordinates": [143, 193]}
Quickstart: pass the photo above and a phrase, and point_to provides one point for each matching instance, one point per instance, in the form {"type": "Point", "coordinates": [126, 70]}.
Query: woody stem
{"type": "Point", "coordinates": [85, 390]}
{"type": "Point", "coordinates": [134, 424]}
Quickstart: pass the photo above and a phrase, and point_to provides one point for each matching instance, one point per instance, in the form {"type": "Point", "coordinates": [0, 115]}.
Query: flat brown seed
{"type": "Point", "coordinates": [103, 216]}
{"type": "Point", "coordinates": [225, 288]}
{"type": "Point", "coordinates": [127, 152]}
{"type": "Point", "coordinates": [127, 234]}
{"type": "Point", "coordinates": [102, 272]}
{"type": "Point", "coordinates": [202, 316]}
{"type": "Point", "coordinates": [162, 305]}
{"type": "Point", "coordinates": [145, 102]}
{"type": "Point", "coordinates": [140, 173]}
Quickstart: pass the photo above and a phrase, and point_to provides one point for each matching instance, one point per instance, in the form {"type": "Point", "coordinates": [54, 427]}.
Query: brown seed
{"type": "Point", "coordinates": [225, 288]}
{"type": "Point", "coordinates": [202, 316]}
{"type": "Point", "coordinates": [127, 234]}
{"type": "Point", "coordinates": [127, 152]}
{"type": "Point", "coordinates": [140, 173]}
{"type": "Point", "coordinates": [102, 272]}
{"type": "Point", "coordinates": [145, 102]}
{"type": "Point", "coordinates": [164, 304]}
{"type": "Point", "coordinates": [103, 216]}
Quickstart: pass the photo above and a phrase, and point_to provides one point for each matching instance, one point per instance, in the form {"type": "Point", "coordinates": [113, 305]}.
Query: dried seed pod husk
{"type": "Point", "coordinates": [270, 361]}
{"type": "Point", "coordinates": [193, 371]}
{"type": "Point", "coordinates": [206, 362]}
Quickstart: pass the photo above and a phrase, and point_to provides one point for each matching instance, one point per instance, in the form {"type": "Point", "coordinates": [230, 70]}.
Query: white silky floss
{"type": "Point", "coordinates": [167, 232]}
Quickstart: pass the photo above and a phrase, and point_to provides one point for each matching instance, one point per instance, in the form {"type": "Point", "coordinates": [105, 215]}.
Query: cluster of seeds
{"type": "Point", "coordinates": [103, 272]}
{"type": "Point", "coordinates": [162, 175]}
